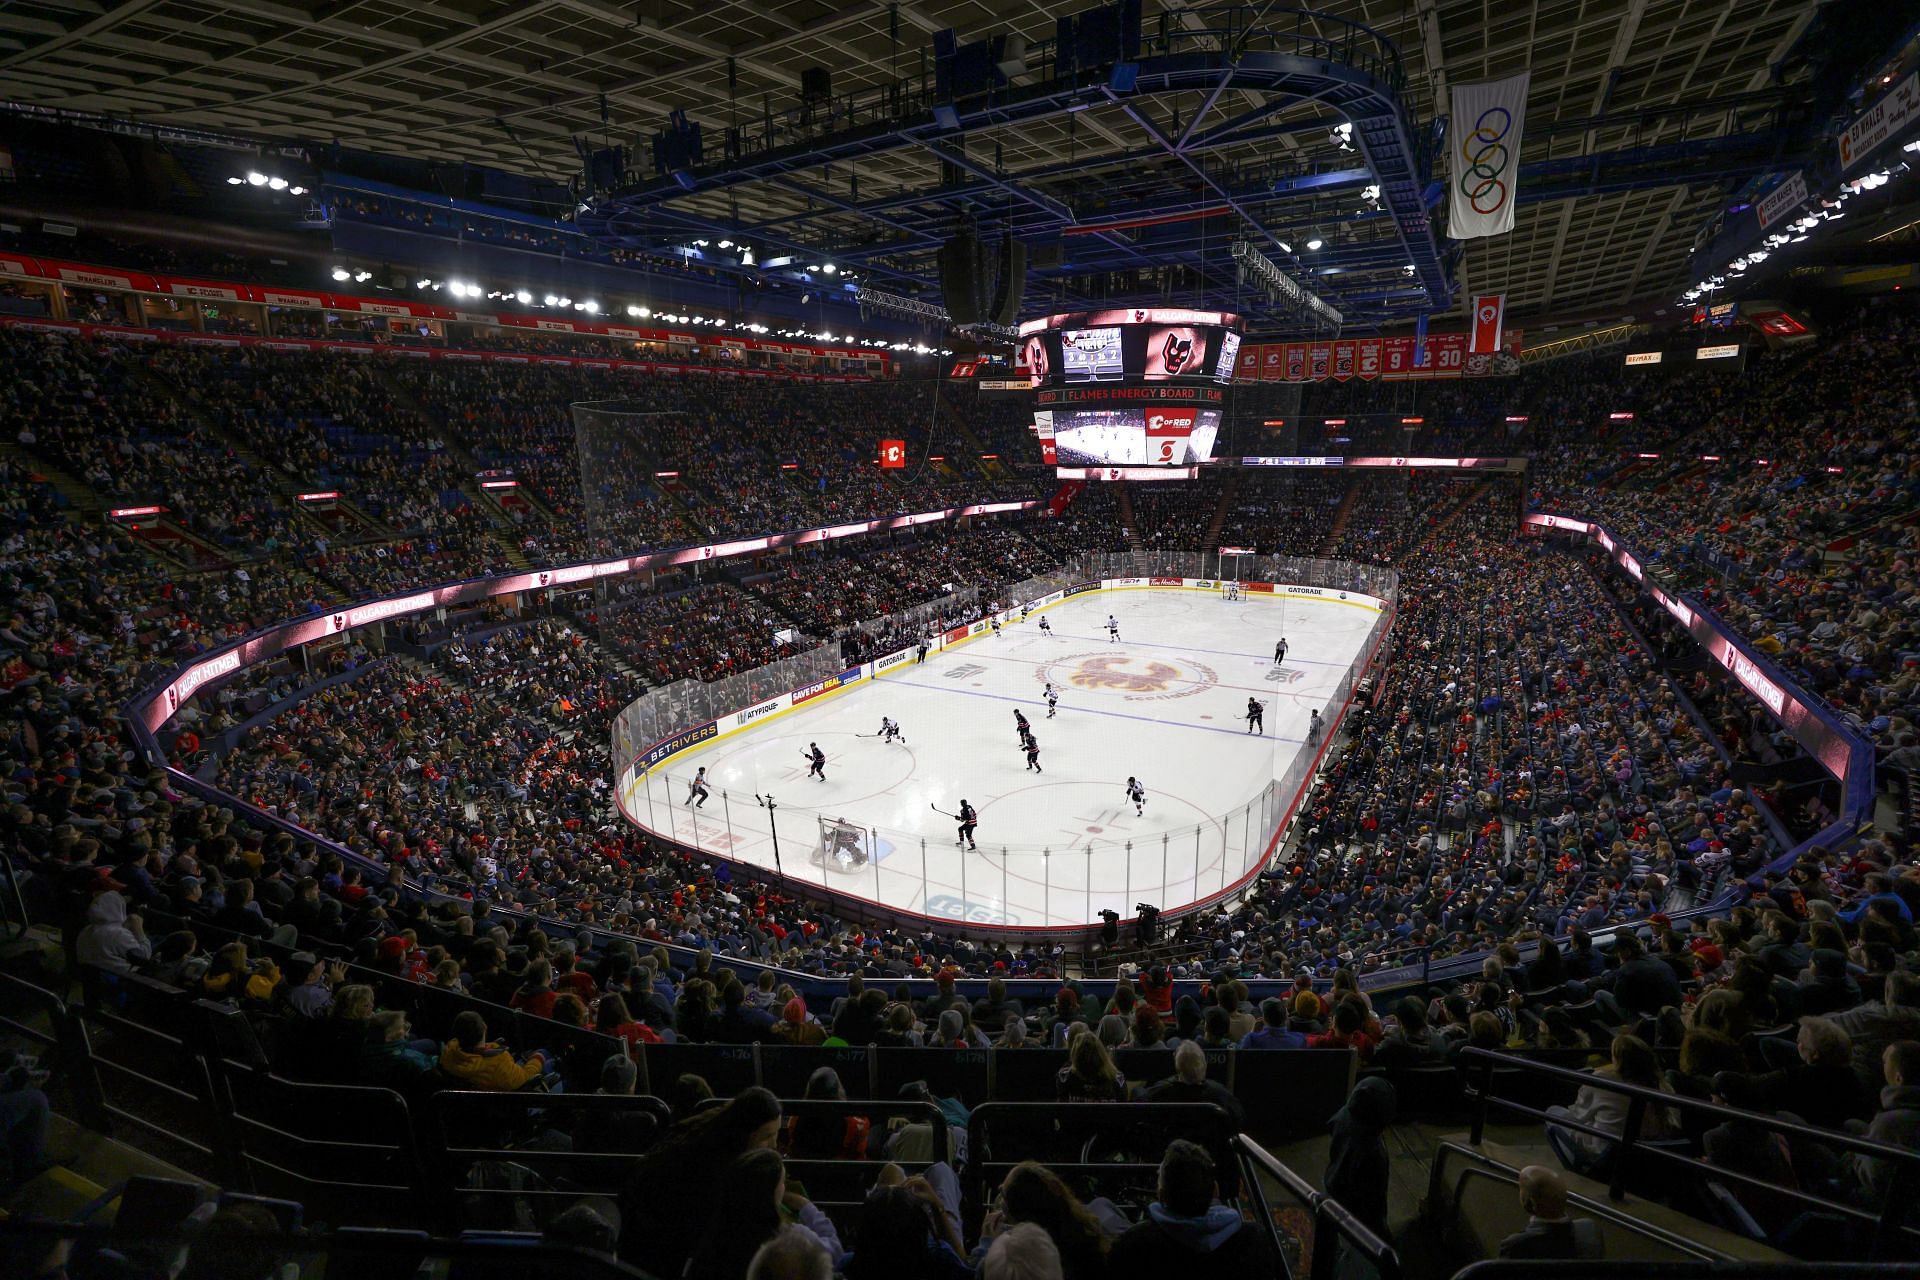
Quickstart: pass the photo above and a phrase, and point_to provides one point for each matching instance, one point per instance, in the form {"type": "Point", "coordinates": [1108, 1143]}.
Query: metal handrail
{"type": "Point", "coordinates": [1630, 1146]}
{"type": "Point", "coordinates": [1485, 1166]}
{"type": "Point", "coordinates": [1330, 1217]}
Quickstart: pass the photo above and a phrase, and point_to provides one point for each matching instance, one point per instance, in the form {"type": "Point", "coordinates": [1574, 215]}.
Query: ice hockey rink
{"type": "Point", "coordinates": [1166, 703]}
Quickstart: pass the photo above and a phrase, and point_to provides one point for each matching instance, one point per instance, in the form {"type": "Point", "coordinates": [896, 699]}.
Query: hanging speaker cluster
{"type": "Point", "coordinates": [979, 285]}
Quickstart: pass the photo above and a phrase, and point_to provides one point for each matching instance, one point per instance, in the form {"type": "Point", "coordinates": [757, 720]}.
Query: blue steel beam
{"type": "Point", "coordinates": [1357, 93]}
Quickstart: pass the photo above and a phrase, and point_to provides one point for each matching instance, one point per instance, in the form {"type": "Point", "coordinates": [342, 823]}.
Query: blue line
{"type": "Point", "coordinates": [1225, 653]}
{"type": "Point", "coordinates": [1118, 715]}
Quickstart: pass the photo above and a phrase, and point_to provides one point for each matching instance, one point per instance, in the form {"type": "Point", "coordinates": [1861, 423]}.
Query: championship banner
{"type": "Point", "coordinates": [1319, 360]}
{"type": "Point", "coordinates": [1489, 309]}
{"type": "Point", "coordinates": [1270, 368]}
{"type": "Point", "coordinates": [1484, 172]}
{"type": "Point", "coordinates": [1248, 365]}
{"type": "Point", "coordinates": [1343, 359]}
{"type": "Point", "coordinates": [1368, 365]}
{"type": "Point", "coordinates": [1296, 362]}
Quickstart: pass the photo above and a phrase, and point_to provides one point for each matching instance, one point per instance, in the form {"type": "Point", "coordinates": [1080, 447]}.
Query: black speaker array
{"type": "Point", "coordinates": [978, 289]}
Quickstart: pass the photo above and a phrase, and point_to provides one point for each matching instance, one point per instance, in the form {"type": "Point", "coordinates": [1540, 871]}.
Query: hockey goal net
{"type": "Point", "coordinates": [843, 846]}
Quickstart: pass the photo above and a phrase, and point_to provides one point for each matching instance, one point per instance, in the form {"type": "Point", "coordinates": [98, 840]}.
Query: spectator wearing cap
{"type": "Point", "coordinates": [795, 1027]}
{"type": "Point", "coordinates": [308, 989]}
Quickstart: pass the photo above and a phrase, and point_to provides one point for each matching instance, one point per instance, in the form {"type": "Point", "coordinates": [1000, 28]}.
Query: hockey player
{"type": "Point", "coordinates": [1113, 630]}
{"type": "Point", "coordinates": [818, 769]}
{"type": "Point", "coordinates": [996, 624]}
{"type": "Point", "coordinates": [889, 730]}
{"type": "Point", "coordinates": [968, 821]}
{"type": "Point", "coordinates": [1033, 754]}
{"type": "Point", "coordinates": [1138, 795]}
{"type": "Point", "coordinates": [1045, 626]}
{"type": "Point", "coordinates": [1053, 700]}
{"type": "Point", "coordinates": [1280, 652]}
{"type": "Point", "coordinates": [698, 788]}
{"type": "Point", "coordinates": [1256, 716]}
{"type": "Point", "coordinates": [1025, 609]}
{"type": "Point", "coordinates": [1313, 725]}
{"type": "Point", "coordinates": [1020, 725]}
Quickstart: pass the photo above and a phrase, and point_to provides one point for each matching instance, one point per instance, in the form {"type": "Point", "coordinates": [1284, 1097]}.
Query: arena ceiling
{"type": "Point", "coordinates": [511, 85]}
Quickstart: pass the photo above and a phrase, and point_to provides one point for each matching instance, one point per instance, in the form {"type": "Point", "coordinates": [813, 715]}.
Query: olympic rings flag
{"type": "Point", "coordinates": [1485, 172]}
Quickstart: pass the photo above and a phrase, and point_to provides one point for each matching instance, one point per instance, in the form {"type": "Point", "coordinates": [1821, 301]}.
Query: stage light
{"type": "Point", "coordinates": [550, 301]}
{"type": "Point", "coordinates": [633, 311]}
{"type": "Point", "coordinates": [256, 178]}
{"type": "Point", "coordinates": [1313, 245]}
{"type": "Point", "coordinates": [726, 244]}
{"type": "Point", "coordinates": [236, 182]}
{"type": "Point", "coordinates": [361, 277]}
{"type": "Point", "coordinates": [565, 301]}
{"type": "Point", "coordinates": [829, 268]}
{"type": "Point", "coordinates": [590, 307]}
{"type": "Point", "coordinates": [341, 273]}
{"type": "Point", "coordinates": [523, 297]}
{"type": "Point", "coordinates": [644, 313]}
{"type": "Point", "coordinates": [296, 191]}
{"type": "Point", "coordinates": [277, 184]}
{"type": "Point", "coordinates": [422, 283]}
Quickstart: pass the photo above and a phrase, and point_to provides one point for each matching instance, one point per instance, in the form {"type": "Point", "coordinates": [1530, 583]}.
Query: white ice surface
{"type": "Point", "coordinates": [1167, 704]}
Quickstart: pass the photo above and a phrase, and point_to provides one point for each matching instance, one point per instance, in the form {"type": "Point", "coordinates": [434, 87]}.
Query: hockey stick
{"type": "Point", "coordinates": [937, 809]}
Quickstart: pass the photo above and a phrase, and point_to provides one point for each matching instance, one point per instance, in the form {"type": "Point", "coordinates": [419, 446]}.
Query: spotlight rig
{"type": "Point", "coordinates": [1261, 271]}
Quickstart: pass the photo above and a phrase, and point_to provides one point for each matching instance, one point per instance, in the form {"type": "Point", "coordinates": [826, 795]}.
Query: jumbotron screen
{"type": "Point", "coordinates": [1145, 344]}
{"type": "Point", "coordinates": [1139, 436]}
{"type": "Point", "coordinates": [1120, 388]}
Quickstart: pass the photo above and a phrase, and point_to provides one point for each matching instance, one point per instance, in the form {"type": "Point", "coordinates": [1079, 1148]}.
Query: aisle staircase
{"type": "Point", "coordinates": [1229, 494]}
{"type": "Point", "coordinates": [80, 499]}
{"type": "Point", "coordinates": [479, 499]}
{"type": "Point", "coordinates": [1127, 526]}
{"type": "Point", "coordinates": [1341, 515]}
{"type": "Point", "coordinates": [356, 523]}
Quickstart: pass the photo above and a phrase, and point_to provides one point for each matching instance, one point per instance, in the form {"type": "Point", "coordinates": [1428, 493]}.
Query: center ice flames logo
{"type": "Point", "coordinates": [1108, 673]}
{"type": "Point", "coordinates": [1133, 678]}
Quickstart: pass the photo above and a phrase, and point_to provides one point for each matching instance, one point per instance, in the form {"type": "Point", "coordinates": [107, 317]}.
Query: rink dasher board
{"type": "Point", "coordinates": [687, 741]}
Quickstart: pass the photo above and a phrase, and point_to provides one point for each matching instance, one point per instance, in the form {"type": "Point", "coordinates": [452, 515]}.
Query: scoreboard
{"type": "Point", "coordinates": [1135, 387]}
